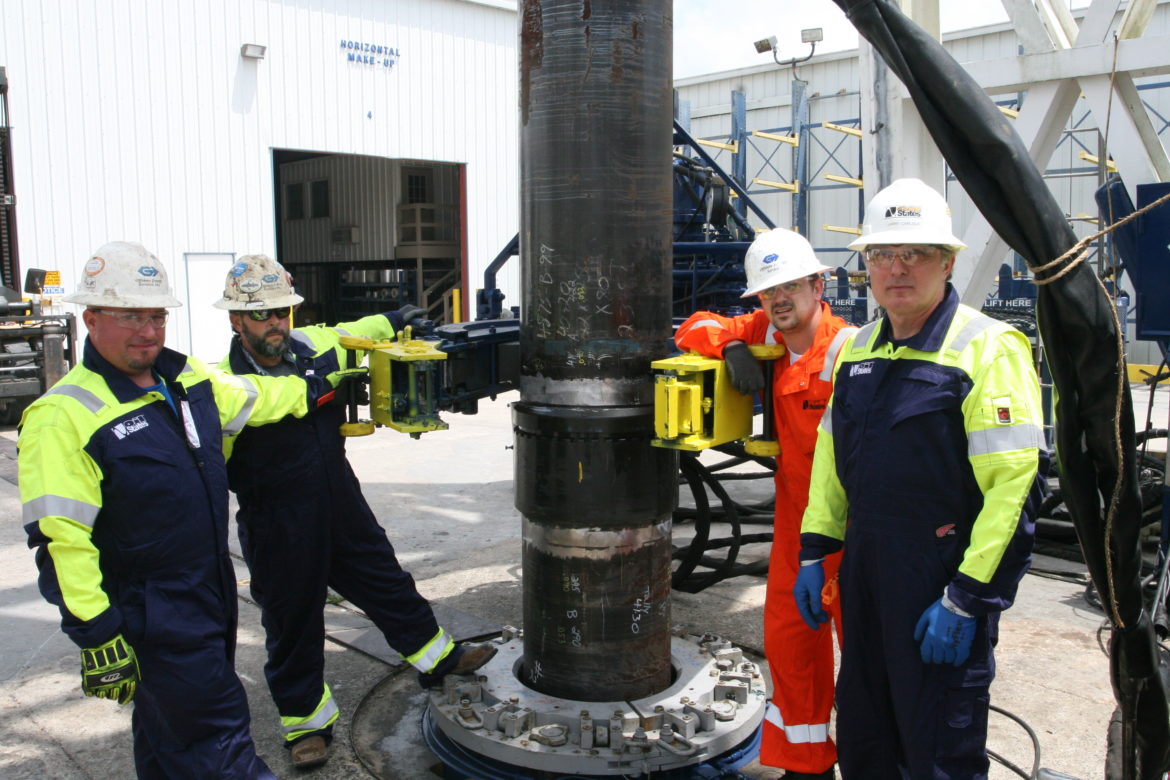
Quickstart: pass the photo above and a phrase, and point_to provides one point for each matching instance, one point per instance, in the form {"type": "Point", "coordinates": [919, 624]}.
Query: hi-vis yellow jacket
{"type": "Point", "coordinates": [942, 433]}
{"type": "Point", "coordinates": [126, 500]}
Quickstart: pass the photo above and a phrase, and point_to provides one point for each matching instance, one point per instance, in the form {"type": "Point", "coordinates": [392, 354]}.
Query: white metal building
{"type": "Point", "coordinates": [367, 143]}
{"type": "Point", "coordinates": [832, 84]}
{"type": "Point", "coordinates": [373, 146]}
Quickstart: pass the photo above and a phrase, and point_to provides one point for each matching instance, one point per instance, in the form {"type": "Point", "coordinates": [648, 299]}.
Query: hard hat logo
{"type": "Point", "coordinates": [777, 257]}
{"type": "Point", "coordinates": [257, 282]}
{"type": "Point", "coordinates": [907, 212]}
{"type": "Point", "coordinates": [124, 275]}
{"type": "Point", "coordinates": [912, 212]}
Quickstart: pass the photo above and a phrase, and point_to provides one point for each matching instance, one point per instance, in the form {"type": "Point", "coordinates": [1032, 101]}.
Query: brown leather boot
{"type": "Point", "coordinates": [470, 658]}
{"type": "Point", "coordinates": [310, 752]}
{"type": "Point", "coordinates": [473, 657]}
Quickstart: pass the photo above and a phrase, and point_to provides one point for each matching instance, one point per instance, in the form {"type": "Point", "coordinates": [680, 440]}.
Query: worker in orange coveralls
{"type": "Point", "coordinates": [783, 271]}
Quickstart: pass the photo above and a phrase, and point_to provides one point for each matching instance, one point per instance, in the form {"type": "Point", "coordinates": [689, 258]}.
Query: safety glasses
{"type": "Point", "coordinates": [884, 257]}
{"type": "Point", "coordinates": [134, 320]}
{"type": "Point", "coordinates": [788, 288]}
{"type": "Point", "coordinates": [261, 315]}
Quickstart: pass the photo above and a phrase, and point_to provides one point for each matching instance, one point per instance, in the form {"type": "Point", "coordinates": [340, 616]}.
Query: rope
{"type": "Point", "coordinates": [1079, 251]}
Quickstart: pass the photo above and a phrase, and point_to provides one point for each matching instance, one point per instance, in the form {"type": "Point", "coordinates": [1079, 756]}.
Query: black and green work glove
{"type": "Point", "coordinates": [110, 671]}
{"type": "Point", "coordinates": [343, 375]}
{"type": "Point", "coordinates": [743, 369]}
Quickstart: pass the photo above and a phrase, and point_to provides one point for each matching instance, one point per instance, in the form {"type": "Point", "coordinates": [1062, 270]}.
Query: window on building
{"type": "Point", "coordinates": [294, 201]}
{"type": "Point", "coordinates": [418, 187]}
{"type": "Point", "coordinates": [319, 198]}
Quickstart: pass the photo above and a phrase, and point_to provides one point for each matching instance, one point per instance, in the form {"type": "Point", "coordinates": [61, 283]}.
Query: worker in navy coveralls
{"type": "Point", "coordinates": [304, 524]}
{"type": "Point", "coordinates": [125, 500]}
{"type": "Point", "coordinates": [928, 471]}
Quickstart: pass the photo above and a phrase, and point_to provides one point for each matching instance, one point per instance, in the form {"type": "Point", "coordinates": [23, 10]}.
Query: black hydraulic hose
{"type": "Point", "coordinates": [689, 468]}
{"type": "Point", "coordinates": [684, 578]}
{"type": "Point", "coordinates": [1031, 735]}
{"type": "Point", "coordinates": [1160, 618]}
{"type": "Point", "coordinates": [1008, 764]}
{"type": "Point", "coordinates": [736, 450]}
{"type": "Point", "coordinates": [732, 518]}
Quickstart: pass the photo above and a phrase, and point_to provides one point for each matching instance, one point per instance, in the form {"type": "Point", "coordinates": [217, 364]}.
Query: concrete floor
{"type": "Point", "coordinates": [446, 503]}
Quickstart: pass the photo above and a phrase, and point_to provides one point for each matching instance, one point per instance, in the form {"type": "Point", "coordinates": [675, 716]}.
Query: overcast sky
{"type": "Point", "coordinates": [715, 35]}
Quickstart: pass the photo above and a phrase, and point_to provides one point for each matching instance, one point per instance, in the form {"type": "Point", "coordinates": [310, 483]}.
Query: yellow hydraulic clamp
{"type": "Point", "coordinates": [404, 383]}
{"type": "Point", "coordinates": [696, 407]}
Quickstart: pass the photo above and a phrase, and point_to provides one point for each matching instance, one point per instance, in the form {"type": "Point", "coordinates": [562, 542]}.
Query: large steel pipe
{"type": "Point", "coordinates": [596, 110]}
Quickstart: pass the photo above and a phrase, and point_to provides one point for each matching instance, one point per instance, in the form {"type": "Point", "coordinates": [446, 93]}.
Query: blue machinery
{"type": "Point", "coordinates": [711, 237]}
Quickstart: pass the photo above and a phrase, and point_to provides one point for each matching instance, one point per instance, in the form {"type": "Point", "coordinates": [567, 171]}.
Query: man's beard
{"type": "Point", "coordinates": [265, 348]}
{"type": "Point", "coordinates": [141, 365]}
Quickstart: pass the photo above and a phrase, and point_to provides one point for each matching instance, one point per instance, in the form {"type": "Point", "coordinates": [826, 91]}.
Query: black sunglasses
{"type": "Point", "coordinates": [261, 315]}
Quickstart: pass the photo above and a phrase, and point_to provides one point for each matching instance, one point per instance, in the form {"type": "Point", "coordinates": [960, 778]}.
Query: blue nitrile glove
{"type": "Point", "coordinates": [946, 634]}
{"type": "Point", "coordinates": [110, 671]}
{"type": "Point", "coordinates": [743, 369]}
{"type": "Point", "coordinates": [810, 581]}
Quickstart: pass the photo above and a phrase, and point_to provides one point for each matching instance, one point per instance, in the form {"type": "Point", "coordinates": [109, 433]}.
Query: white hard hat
{"type": "Point", "coordinates": [907, 212]}
{"type": "Point", "coordinates": [124, 275]}
{"type": "Point", "coordinates": [776, 257]}
{"type": "Point", "coordinates": [257, 282]}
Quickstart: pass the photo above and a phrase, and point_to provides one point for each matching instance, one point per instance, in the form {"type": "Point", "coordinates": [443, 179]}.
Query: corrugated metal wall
{"type": "Point", "coordinates": [140, 120]}
{"type": "Point", "coordinates": [833, 83]}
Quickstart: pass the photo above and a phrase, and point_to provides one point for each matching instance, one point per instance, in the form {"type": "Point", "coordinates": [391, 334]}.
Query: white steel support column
{"type": "Point", "coordinates": [898, 143]}
{"type": "Point", "coordinates": [1059, 63]}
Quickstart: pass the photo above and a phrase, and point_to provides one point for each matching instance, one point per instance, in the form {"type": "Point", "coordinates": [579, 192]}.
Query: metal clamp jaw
{"type": "Point", "coordinates": [696, 407]}
{"type": "Point", "coordinates": [766, 444]}
{"type": "Point", "coordinates": [404, 382]}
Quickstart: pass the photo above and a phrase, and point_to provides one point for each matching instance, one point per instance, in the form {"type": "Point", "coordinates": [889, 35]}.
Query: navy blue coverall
{"type": "Point", "coordinates": [125, 501]}
{"type": "Point", "coordinates": [305, 527]}
{"type": "Point", "coordinates": [929, 467]}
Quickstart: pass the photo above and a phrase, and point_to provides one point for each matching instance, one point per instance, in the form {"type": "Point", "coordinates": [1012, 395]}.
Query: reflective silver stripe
{"type": "Point", "coordinates": [60, 506]}
{"type": "Point", "coordinates": [827, 420]}
{"type": "Point", "coordinates": [863, 335]}
{"type": "Point", "coordinates": [1007, 438]}
{"type": "Point", "coordinates": [702, 323]}
{"type": "Point", "coordinates": [299, 336]}
{"type": "Point", "coordinates": [187, 369]}
{"type": "Point", "coordinates": [969, 331]}
{"type": "Point", "coordinates": [317, 721]}
{"type": "Point", "coordinates": [797, 735]}
{"type": "Point", "coordinates": [343, 331]}
{"type": "Point", "coordinates": [236, 424]}
{"type": "Point", "coordinates": [85, 397]}
{"type": "Point", "coordinates": [835, 348]}
{"type": "Point", "coordinates": [434, 651]}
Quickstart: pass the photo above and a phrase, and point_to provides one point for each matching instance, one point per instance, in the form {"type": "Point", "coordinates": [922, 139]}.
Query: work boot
{"type": "Point", "coordinates": [473, 657]}
{"type": "Point", "coordinates": [310, 752]}
{"type": "Point", "coordinates": [465, 659]}
{"type": "Point", "coordinates": [828, 774]}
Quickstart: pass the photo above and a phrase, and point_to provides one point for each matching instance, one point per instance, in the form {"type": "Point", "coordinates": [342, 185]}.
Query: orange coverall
{"type": "Point", "coordinates": [797, 720]}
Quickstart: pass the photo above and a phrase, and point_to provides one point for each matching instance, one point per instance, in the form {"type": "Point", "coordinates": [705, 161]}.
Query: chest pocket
{"type": "Point", "coordinates": [325, 363]}
{"type": "Point", "coordinates": [926, 388]}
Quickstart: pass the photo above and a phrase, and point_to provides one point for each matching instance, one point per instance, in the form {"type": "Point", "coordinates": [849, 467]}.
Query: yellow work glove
{"type": "Point", "coordinates": [110, 671]}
